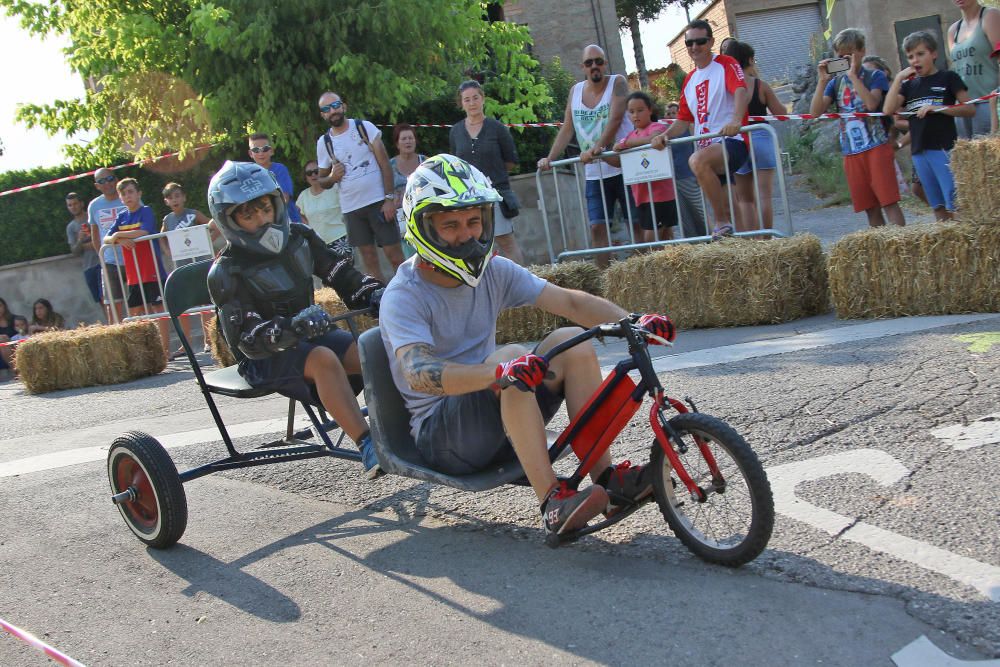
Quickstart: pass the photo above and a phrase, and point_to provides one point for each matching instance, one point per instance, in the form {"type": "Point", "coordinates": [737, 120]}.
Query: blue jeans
{"type": "Point", "coordinates": [934, 169]}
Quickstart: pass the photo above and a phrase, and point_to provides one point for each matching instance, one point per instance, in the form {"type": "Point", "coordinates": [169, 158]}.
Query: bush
{"type": "Point", "coordinates": [33, 222]}
{"type": "Point", "coordinates": [823, 170]}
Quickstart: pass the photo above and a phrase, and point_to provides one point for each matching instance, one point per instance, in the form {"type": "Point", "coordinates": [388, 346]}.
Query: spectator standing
{"type": "Point", "coordinates": [182, 217]}
{"type": "Point", "coordinates": [655, 201]}
{"type": "Point", "coordinates": [928, 92]}
{"type": "Point", "coordinates": [692, 206]}
{"type": "Point", "coordinates": [80, 245]}
{"type": "Point", "coordinates": [595, 112]}
{"type": "Point", "coordinates": [714, 99]}
{"type": "Point", "coordinates": [44, 318]}
{"type": "Point", "coordinates": [971, 40]}
{"type": "Point", "coordinates": [320, 208]}
{"type": "Point", "coordinates": [487, 144]}
{"type": "Point", "coordinates": [262, 152]}
{"type": "Point", "coordinates": [864, 142]}
{"type": "Point", "coordinates": [751, 203]}
{"type": "Point", "coordinates": [102, 212]}
{"type": "Point", "coordinates": [351, 153]}
{"type": "Point", "coordinates": [142, 260]}
{"type": "Point", "coordinates": [405, 162]}
{"type": "Point", "coordinates": [7, 331]}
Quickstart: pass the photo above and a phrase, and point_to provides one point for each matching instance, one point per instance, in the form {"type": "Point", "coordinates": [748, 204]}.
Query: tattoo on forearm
{"type": "Point", "coordinates": [423, 370]}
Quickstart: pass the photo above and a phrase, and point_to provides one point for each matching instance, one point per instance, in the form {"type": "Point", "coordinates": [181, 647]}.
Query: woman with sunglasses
{"type": "Point", "coordinates": [320, 208]}
{"type": "Point", "coordinates": [486, 143]}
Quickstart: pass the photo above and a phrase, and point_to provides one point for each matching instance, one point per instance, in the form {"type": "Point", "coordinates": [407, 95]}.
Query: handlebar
{"type": "Point", "coordinates": [627, 328]}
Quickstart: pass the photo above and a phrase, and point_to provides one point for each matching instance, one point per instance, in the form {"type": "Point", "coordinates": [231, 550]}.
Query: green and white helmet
{"type": "Point", "coordinates": [443, 183]}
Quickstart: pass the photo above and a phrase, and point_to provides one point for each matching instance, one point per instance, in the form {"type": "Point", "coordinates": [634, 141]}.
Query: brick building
{"type": "Point", "coordinates": [787, 33]}
{"type": "Point", "coordinates": [563, 28]}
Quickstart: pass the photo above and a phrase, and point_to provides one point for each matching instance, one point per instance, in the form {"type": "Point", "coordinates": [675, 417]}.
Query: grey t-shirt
{"type": "Point", "coordinates": [459, 323]}
{"type": "Point", "coordinates": [172, 221]}
{"type": "Point", "coordinates": [88, 256]}
{"type": "Point", "coordinates": [102, 213]}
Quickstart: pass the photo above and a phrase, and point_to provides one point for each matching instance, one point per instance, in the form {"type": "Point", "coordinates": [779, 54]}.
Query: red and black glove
{"type": "Point", "coordinates": [658, 325]}
{"type": "Point", "coordinates": [525, 372]}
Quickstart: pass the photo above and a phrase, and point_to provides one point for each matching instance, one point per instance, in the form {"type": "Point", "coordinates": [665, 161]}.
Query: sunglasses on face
{"type": "Point", "coordinates": [700, 41]}
{"type": "Point", "coordinates": [261, 149]}
{"type": "Point", "coordinates": [327, 108]}
{"type": "Point", "coordinates": [106, 179]}
{"type": "Point", "coordinates": [593, 61]}
{"type": "Point", "coordinates": [312, 172]}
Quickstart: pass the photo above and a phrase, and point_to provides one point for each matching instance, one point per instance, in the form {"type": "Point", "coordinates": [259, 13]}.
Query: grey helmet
{"type": "Point", "coordinates": [237, 183]}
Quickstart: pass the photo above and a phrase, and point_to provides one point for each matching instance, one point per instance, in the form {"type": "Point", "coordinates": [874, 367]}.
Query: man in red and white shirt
{"type": "Point", "coordinates": [714, 99]}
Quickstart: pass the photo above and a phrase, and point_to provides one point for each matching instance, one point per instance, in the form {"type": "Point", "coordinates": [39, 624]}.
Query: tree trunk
{"type": "Point", "coordinates": [640, 60]}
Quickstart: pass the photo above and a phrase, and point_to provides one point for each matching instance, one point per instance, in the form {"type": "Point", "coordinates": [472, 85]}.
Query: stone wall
{"type": "Point", "coordinates": [717, 16]}
{"type": "Point", "coordinates": [58, 279]}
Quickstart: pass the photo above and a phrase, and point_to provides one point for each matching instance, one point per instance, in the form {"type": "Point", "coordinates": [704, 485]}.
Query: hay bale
{"type": "Point", "coordinates": [734, 282]}
{"type": "Point", "coordinates": [527, 323]}
{"type": "Point", "coordinates": [930, 269]}
{"type": "Point", "coordinates": [325, 297]}
{"type": "Point", "coordinates": [89, 356]}
{"type": "Point", "coordinates": [976, 165]}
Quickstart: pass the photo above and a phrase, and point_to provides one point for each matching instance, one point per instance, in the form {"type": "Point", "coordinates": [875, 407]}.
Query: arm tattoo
{"type": "Point", "coordinates": [423, 370]}
{"type": "Point", "coordinates": [621, 87]}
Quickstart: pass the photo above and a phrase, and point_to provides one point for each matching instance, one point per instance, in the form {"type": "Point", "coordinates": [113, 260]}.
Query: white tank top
{"type": "Point", "coordinates": [589, 124]}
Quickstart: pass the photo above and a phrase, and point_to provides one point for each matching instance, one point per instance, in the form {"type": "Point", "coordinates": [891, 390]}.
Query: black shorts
{"type": "Point", "coordinates": [737, 154]}
{"type": "Point", "coordinates": [152, 292]}
{"type": "Point", "coordinates": [284, 372]}
{"type": "Point", "coordinates": [666, 214]}
{"type": "Point", "coordinates": [465, 434]}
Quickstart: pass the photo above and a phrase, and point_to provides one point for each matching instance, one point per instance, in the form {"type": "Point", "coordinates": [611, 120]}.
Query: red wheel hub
{"type": "Point", "coordinates": [128, 473]}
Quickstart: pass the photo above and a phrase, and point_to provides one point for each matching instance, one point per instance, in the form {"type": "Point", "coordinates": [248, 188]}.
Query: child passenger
{"type": "Point", "coordinates": [655, 200]}
{"type": "Point", "coordinates": [262, 288]}
{"type": "Point", "coordinates": [928, 91]}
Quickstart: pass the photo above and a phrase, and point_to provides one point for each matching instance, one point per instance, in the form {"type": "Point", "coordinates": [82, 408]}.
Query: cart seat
{"type": "Point", "coordinates": [389, 421]}
{"type": "Point", "coordinates": [228, 382]}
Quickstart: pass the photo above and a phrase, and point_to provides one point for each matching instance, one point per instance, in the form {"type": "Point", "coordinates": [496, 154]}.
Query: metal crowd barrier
{"type": "Point", "coordinates": [572, 230]}
{"type": "Point", "coordinates": [148, 313]}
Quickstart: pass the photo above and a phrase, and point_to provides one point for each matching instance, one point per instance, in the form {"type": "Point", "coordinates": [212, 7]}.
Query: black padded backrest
{"type": "Point", "coordinates": [388, 417]}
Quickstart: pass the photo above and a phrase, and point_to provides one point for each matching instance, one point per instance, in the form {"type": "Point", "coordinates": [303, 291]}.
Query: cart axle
{"type": "Point", "coordinates": [126, 496]}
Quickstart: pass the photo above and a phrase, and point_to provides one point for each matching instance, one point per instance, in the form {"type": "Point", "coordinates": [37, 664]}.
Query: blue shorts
{"type": "Point", "coordinates": [737, 154]}
{"type": "Point", "coordinates": [614, 191]}
{"type": "Point", "coordinates": [93, 278]}
{"type": "Point", "coordinates": [763, 153]}
{"type": "Point", "coordinates": [934, 169]}
{"type": "Point", "coordinates": [284, 372]}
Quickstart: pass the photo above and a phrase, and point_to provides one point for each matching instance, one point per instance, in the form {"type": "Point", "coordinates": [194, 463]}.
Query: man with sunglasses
{"type": "Point", "coordinates": [261, 151]}
{"type": "Point", "coordinates": [102, 212]}
{"type": "Point", "coordinates": [714, 99]}
{"type": "Point", "coordinates": [351, 153]}
{"type": "Point", "coordinates": [595, 112]}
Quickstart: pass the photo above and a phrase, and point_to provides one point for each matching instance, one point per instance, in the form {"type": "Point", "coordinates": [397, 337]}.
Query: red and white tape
{"type": "Point", "coordinates": [38, 644]}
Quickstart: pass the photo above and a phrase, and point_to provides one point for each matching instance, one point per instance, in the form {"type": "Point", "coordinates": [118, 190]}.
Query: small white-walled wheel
{"type": "Point", "coordinates": [147, 489]}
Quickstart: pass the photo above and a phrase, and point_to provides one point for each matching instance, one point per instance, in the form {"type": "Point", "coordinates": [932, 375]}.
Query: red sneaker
{"type": "Point", "coordinates": [565, 510]}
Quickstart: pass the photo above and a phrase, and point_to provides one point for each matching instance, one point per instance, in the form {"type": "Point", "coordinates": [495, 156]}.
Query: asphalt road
{"type": "Point", "coordinates": [886, 533]}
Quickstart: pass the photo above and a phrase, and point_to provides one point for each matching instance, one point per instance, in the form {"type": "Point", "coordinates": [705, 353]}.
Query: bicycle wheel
{"type": "Point", "coordinates": [156, 512]}
{"type": "Point", "coordinates": [732, 523]}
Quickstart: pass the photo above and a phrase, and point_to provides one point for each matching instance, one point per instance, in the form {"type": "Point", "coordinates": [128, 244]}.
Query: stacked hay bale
{"type": "Point", "coordinates": [325, 297]}
{"type": "Point", "coordinates": [920, 270]}
{"type": "Point", "coordinates": [90, 356]}
{"type": "Point", "coordinates": [734, 282]}
{"type": "Point", "coordinates": [976, 165]}
{"type": "Point", "coordinates": [527, 323]}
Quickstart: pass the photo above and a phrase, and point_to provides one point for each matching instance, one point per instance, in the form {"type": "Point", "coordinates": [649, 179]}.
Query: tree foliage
{"type": "Point", "coordinates": [173, 74]}
{"type": "Point", "coordinates": [630, 14]}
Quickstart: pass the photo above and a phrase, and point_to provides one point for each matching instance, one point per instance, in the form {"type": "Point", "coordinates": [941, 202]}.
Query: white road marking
{"type": "Point", "coordinates": [886, 470]}
{"type": "Point", "coordinates": [70, 457]}
{"type": "Point", "coordinates": [983, 431]}
{"type": "Point", "coordinates": [921, 652]}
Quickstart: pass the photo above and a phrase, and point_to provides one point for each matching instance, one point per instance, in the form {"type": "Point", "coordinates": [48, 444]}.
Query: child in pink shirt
{"type": "Point", "coordinates": [643, 117]}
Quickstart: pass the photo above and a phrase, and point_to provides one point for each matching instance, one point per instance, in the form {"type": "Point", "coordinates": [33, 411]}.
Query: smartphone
{"type": "Point", "coordinates": [838, 65]}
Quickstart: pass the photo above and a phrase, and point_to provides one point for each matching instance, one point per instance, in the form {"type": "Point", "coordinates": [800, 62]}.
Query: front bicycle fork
{"type": "Point", "coordinates": [668, 439]}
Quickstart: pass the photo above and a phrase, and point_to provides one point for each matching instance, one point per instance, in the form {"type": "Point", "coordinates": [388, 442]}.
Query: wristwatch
{"type": "Point", "coordinates": [390, 197]}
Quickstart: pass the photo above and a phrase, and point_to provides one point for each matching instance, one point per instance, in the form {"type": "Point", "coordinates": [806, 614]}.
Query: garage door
{"type": "Point", "coordinates": [781, 38]}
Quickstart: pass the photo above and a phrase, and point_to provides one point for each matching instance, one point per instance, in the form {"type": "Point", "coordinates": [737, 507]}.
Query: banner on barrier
{"type": "Point", "coordinates": [189, 242]}
{"type": "Point", "coordinates": [647, 165]}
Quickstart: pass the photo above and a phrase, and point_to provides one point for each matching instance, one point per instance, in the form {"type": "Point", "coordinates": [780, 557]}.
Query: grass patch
{"type": "Point", "coordinates": [824, 172]}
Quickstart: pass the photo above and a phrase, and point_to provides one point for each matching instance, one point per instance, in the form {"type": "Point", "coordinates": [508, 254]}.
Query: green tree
{"type": "Point", "coordinates": [630, 14]}
{"type": "Point", "coordinates": [173, 74]}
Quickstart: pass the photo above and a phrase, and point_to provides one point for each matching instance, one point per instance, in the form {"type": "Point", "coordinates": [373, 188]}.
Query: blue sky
{"type": "Point", "coordinates": [37, 73]}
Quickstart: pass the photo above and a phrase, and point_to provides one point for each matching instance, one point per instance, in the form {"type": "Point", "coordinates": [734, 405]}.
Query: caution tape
{"type": "Point", "coordinates": [74, 177]}
{"type": "Point", "coordinates": [37, 643]}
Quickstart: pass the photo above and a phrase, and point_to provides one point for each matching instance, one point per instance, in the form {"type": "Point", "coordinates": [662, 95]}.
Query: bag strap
{"type": "Point", "coordinates": [329, 144]}
{"type": "Point", "coordinates": [359, 125]}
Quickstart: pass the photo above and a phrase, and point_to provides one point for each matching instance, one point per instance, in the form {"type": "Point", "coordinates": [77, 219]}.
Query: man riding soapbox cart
{"type": "Point", "coordinates": [708, 483]}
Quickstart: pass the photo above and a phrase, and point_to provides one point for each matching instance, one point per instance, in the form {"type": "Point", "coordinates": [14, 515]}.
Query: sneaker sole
{"type": "Point", "coordinates": [375, 472]}
{"type": "Point", "coordinates": [587, 510]}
